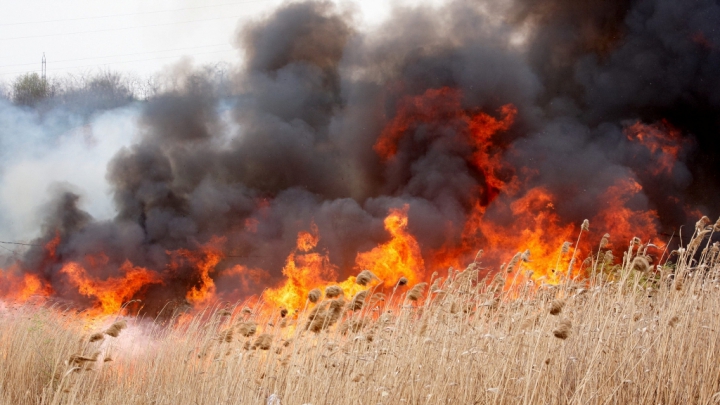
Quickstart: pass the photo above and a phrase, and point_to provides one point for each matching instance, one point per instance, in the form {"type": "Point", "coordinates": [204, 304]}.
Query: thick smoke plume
{"type": "Point", "coordinates": [510, 115]}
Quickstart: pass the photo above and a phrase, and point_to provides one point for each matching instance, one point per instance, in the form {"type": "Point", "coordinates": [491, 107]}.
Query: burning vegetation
{"type": "Point", "coordinates": [397, 152]}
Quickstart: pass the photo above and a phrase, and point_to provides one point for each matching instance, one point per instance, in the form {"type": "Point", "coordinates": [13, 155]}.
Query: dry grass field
{"type": "Point", "coordinates": [631, 333]}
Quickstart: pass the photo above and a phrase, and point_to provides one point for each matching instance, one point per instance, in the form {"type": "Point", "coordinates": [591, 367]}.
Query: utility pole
{"type": "Point", "coordinates": [44, 68]}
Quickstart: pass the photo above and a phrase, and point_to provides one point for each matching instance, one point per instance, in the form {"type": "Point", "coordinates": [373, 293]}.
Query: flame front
{"type": "Point", "coordinates": [514, 220]}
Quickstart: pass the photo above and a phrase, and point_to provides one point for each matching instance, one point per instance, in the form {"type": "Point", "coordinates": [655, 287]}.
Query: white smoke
{"type": "Point", "coordinates": [43, 151]}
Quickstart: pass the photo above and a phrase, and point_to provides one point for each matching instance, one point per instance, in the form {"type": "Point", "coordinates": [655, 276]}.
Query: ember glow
{"type": "Point", "coordinates": [332, 151]}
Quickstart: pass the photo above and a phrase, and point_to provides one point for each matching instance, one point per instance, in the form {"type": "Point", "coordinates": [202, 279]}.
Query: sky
{"type": "Point", "coordinates": [137, 37]}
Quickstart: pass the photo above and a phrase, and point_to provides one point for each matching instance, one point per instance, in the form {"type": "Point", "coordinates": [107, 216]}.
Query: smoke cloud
{"type": "Point", "coordinates": [291, 143]}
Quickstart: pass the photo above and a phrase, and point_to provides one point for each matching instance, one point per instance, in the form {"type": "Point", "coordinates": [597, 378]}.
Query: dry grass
{"type": "Point", "coordinates": [627, 336]}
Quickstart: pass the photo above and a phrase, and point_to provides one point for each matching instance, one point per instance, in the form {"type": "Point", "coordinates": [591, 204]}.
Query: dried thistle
{"type": "Point", "coordinates": [402, 281]}
{"type": "Point", "coordinates": [333, 291]}
{"type": "Point", "coordinates": [556, 307]}
{"type": "Point", "coordinates": [563, 329]}
{"type": "Point", "coordinates": [114, 329]}
{"type": "Point", "coordinates": [416, 292]}
{"type": "Point", "coordinates": [314, 295]}
{"type": "Point", "coordinates": [365, 277]}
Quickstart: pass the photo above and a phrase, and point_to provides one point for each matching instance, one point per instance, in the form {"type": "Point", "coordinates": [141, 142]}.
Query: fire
{"type": "Point", "coordinates": [304, 270]}
{"type": "Point", "coordinates": [623, 222]}
{"type": "Point", "coordinates": [662, 140]}
{"type": "Point", "coordinates": [21, 287]}
{"type": "Point", "coordinates": [111, 293]}
{"type": "Point", "coordinates": [512, 219]}
{"type": "Point", "coordinates": [203, 261]}
{"type": "Point", "coordinates": [399, 257]}
{"type": "Point", "coordinates": [443, 107]}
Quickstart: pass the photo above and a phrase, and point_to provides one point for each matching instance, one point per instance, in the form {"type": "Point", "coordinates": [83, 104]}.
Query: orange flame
{"type": "Point", "coordinates": [304, 270]}
{"type": "Point", "coordinates": [399, 257]}
{"type": "Point", "coordinates": [112, 292]}
{"type": "Point", "coordinates": [20, 288]}
{"type": "Point", "coordinates": [662, 140]}
{"type": "Point", "coordinates": [203, 261]}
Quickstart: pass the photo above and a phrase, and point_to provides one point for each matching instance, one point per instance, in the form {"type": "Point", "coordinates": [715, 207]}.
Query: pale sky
{"type": "Point", "coordinates": [136, 36]}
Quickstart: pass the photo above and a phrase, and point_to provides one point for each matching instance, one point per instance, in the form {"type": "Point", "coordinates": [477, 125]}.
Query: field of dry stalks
{"type": "Point", "coordinates": [634, 333]}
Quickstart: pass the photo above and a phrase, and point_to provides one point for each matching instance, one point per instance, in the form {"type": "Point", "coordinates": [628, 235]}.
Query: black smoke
{"type": "Point", "coordinates": [290, 142]}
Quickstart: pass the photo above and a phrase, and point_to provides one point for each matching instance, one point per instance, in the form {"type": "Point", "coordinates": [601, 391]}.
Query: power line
{"type": "Point", "coordinates": [115, 56]}
{"type": "Point", "coordinates": [19, 243]}
{"type": "Point", "coordinates": [119, 29]}
{"type": "Point", "coordinates": [117, 63]}
{"type": "Point", "coordinates": [138, 13]}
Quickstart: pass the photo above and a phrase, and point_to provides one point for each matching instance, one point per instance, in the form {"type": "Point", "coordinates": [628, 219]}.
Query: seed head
{"type": "Point", "coordinates": [702, 223]}
{"type": "Point", "coordinates": [416, 292]}
{"type": "Point", "coordinates": [263, 342]}
{"type": "Point", "coordinates": [585, 225]}
{"type": "Point", "coordinates": [314, 295]}
{"type": "Point", "coordinates": [556, 307]}
{"type": "Point", "coordinates": [525, 257]}
{"type": "Point", "coordinates": [247, 329]}
{"type": "Point", "coordinates": [402, 281]}
{"type": "Point", "coordinates": [333, 291]}
{"type": "Point", "coordinates": [566, 247]}
{"type": "Point", "coordinates": [605, 240]}
{"type": "Point", "coordinates": [114, 329]}
{"type": "Point", "coordinates": [609, 256]}
{"type": "Point", "coordinates": [96, 337]}
{"type": "Point", "coordinates": [365, 277]}
{"type": "Point", "coordinates": [480, 253]}
{"type": "Point", "coordinates": [563, 329]}
{"type": "Point", "coordinates": [358, 300]}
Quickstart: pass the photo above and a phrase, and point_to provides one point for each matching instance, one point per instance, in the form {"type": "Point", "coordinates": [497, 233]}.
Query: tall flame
{"type": "Point", "coordinates": [398, 257]}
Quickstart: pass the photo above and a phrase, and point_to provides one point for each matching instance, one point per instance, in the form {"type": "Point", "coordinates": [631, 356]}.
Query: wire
{"type": "Point", "coordinates": [119, 29]}
{"type": "Point", "coordinates": [115, 63]}
{"type": "Point", "coordinates": [19, 243]}
{"type": "Point", "coordinates": [138, 13]}
{"type": "Point", "coordinates": [115, 56]}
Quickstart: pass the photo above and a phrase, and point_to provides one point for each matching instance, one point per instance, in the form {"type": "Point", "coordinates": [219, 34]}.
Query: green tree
{"type": "Point", "coordinates": [29, 89]}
